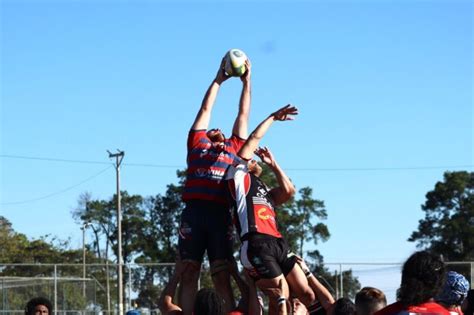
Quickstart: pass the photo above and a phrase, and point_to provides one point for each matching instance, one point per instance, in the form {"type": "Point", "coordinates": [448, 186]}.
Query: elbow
{"type": "Point", "coordinates": [255, 137]}
{"type": "Point", "coordinates": [291, 190]}
{"type": "Point", "coordinates": [287, 193]}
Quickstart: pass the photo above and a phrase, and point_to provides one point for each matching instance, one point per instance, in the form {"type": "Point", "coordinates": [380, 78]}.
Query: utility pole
{"type": "Point", "coordinates": [84, 226]}
{"type": "Point", "coordinates": [118, 160]}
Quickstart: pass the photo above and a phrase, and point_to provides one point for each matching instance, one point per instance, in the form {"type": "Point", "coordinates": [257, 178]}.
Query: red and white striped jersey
{"type": "Point", "coordinates": [252, 206]}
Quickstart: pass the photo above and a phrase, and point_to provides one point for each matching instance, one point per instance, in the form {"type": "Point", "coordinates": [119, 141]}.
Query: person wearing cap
{"type": "Point", "coordinates": [453, 293]}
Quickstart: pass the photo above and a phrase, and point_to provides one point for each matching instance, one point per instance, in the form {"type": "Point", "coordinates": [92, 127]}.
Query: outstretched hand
{"type": "Point", "coordinates": [221, 76]}
{"type": "Point", "coordinates": [265, 155]}
{"type": "Point", "coordinates": [246, 76]}
{"type": "Point", "coordinates": [285, 113]}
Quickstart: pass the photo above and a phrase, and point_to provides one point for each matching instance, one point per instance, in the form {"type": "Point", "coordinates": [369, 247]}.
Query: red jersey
{"type": "Point", "coordinates": [430, 308]}
{"type": "Point", "coordinates": [252, 206]}
{"type": "Point", "coordinates": [207, 166]}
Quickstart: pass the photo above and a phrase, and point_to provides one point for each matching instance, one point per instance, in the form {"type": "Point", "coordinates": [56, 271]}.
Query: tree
{"type": "Point", "coordinates": [17, 248]}
{"type": "Point", "coordinates": [161, 239]}
{"type": "Point", "coordinates": [448, 226]}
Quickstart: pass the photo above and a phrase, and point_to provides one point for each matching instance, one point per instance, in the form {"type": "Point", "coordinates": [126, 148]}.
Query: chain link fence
{"type": "Point", "coordinates": [91, 289]}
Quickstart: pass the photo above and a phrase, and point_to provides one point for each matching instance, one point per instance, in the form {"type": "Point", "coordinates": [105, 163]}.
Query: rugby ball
{"type": "Point", "coordinates": [234, 64]}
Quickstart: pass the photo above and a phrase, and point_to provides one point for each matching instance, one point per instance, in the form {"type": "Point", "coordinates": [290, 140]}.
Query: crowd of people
{"type": "Point", "coordinates": [224, 194]}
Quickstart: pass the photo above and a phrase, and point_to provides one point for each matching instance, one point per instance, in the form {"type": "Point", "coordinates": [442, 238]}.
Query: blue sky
{"type": "Point", "coordinates": [382, 86]}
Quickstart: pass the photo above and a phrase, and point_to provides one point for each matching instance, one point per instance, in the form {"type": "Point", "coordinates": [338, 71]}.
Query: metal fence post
{"type": "Point", "coordinates": [472, 274]}
{"type": "Point", "coordinates": [55, 289]}
{"type": "Point", "coordinates": [340, 280]}
{"type": "Point", "coordinates": [129, 286]}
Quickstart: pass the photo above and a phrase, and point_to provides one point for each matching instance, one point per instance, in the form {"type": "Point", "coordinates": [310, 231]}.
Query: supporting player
{"type": "Point", "coordinates": [205, 222]}
{"type": "Point", "coordinates": [264, 251]}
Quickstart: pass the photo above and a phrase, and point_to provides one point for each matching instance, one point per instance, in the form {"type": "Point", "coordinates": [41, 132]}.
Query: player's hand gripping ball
{"type": "Point", "coordinates": [234, 64]}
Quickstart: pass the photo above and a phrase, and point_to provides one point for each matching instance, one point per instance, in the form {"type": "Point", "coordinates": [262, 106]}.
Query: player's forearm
{"type": "Point", "coordinates": [204, 115]}
{"type": "Point", "coordinates": [323, 295]}
{"type": "Point", "coordinates": [166, 298]}
{"type": "Point", "coordinates": [284, 181]}
{"type": "Point", "coordinates": [210, 96]}
{"type": "Point", "coordinates": [241, 123]}
{"type": "Point", "coordinates": [254, 304]}
{"type": "Point", "coordinates": [245, 97]}
{"type": "Point", "coordinates": [282, 308]}
{"type": "Point", "coordinates": [254, 139]}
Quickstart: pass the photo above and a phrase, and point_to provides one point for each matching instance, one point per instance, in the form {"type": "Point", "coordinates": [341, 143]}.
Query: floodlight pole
{"type": "Point", "coordinates": [118, 160]}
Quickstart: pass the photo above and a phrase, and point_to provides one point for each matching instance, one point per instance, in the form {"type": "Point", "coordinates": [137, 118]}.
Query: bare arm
{"type": "Point", "coordinates": [254, 305]}
{"type": "Point", "coordinates": [165, 303]}
{"type": "Point", "coordinates": [322, 294]}
{"type": "Point", "coordinates": [284, 113]}
{"type": "Point", "coordinates": [285, 189]}
{"type": "Point", "coordinates": [204, 115]}
{"type": "Point", "coordinates": [240, 127]}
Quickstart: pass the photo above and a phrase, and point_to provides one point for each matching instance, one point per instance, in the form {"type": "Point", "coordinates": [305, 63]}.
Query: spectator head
{"type": "Point", "coordinates": [369, 300]}
{"type": "Point", "coordinates": [208, 302]}
{"type": "Point", "coordinates": [454, 290]}
{"type": "Point", "coordinates": [343, 306]}
{"type": "Point", "coordinates": [422, 278]}
{"type": "Point", "coordinates": [38, 306]}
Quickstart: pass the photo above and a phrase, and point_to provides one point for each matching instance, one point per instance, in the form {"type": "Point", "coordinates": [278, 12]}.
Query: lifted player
{"type": "Point", "coordinates": [205, 222]}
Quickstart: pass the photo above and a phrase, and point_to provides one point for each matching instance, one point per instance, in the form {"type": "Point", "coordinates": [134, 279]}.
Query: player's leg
{"type": "Point", "coordinates": [220, 253]}
{"type": "Point", "coordinates": [299, 286]}
{"type": "Point", "coordinates": [259, 255]}
{"type": "Point", "coordinates": [191, 250]}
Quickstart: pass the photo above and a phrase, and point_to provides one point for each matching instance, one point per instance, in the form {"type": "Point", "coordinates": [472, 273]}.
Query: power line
{"type": "Point", "coordinates": [57, 192]}
{"type": "Point", "coordinates": [339, 169]}
{"type": "Point", "coordinates": [22, 157]}
{"type": "Point", "coordinates": [407, 168]}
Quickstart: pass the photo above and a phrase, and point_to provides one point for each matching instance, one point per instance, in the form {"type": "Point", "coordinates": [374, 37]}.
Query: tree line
{"type": "Point", "coordinates": [149, 235]}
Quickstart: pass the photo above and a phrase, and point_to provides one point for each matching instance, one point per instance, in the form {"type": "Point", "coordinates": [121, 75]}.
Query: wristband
{"type": "Point", "coordinates": [308, 273]}
{"type": "Point", "coordinates": [281, 300]}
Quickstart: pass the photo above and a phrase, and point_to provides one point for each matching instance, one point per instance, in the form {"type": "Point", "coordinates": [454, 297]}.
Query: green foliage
{"type": "Point", "coordinates": [17, 248]}
{"type": "Point", "coordinates": [448, 226]}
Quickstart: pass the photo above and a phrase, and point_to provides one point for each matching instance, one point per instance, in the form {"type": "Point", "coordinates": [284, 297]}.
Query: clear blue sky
{"type": "Point", "coordinates": [379, 85]}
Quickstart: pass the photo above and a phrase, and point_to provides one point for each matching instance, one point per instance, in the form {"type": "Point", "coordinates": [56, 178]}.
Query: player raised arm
{"type": "Point", "coordinates": [285, 113]}
{"type": "Point", "coordinates": [322, 294]}
{"type": "Point", "coordinates": [285, 189]}
{"type": "Point", "coordinates": [240, 127]}
{"type": "Point", "coordinates": [204, 115]}
{"type": "Point", "coordinates": [165, 302]}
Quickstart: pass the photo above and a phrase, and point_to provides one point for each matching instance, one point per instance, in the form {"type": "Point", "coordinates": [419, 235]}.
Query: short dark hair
{"type": "Point", "coordinates": [369, 300]}
{"type": "Point", "coordinates": [208, 302]}
{"type": "Point", "coordinates": [344, 306]}
{"type": "Point", "coordinates": [34, 302]}
{"type": "Point", "coordinates": [422, 278]}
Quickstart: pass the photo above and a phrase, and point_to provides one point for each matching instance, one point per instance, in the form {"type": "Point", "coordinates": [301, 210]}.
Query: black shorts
{"type": "Point", "coordinates": [205, 226]}
{"type": "Point", "coordinates": [266, 256]}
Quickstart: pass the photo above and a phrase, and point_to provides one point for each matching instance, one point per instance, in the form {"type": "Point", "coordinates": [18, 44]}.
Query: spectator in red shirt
{"type": "Point", "coordinates": [422, 277]}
